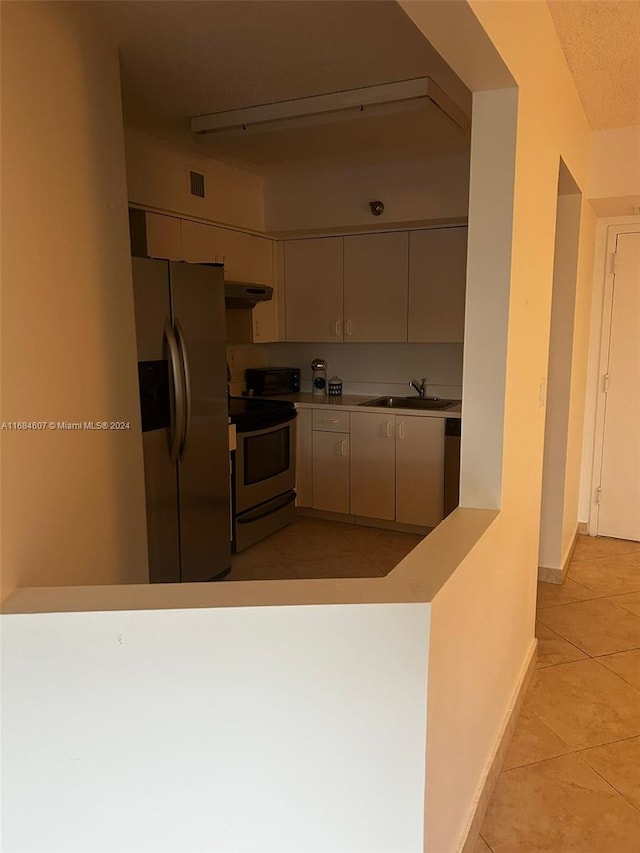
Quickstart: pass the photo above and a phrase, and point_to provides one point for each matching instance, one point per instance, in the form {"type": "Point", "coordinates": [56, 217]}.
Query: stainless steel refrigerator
{"type": "Point", "coordinates": [180, 328]}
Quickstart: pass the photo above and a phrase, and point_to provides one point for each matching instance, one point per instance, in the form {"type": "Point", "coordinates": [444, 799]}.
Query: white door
{"type": "Point", "coordinates": [619, 507]}
{"type": "Point", "coordinates": [313, 273]}
{"type": "Point", "coordinates": [437, 283]}
{"type": "Point", "coordinates": [331, 471]}
{"type": "Point", "coordinates": [419, 470]}
{"type": "Point", "coordinates": [373, 465]}
{"type": "Point", "coordinates": [376, 287]}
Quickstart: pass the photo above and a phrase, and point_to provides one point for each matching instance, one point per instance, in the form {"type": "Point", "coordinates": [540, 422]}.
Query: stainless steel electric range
{"type": "Point", "coordinates": [264, 475]}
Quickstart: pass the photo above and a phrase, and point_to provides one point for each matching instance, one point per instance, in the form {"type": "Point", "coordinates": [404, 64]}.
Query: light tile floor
{"type": "Point", "coordinates": [571, 779]}
{"type": "Point", "coordinates": [314, 548]}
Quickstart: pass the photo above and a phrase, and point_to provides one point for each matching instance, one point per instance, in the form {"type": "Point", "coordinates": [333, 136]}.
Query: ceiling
{"type": "Point", "coordinates": [601, 42]}
{"type": "Point", "coordinates": [187, 58]}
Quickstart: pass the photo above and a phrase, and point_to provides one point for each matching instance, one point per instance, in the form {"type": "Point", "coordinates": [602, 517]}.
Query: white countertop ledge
{"type": "Point", "coordinates": [352, 403]}
{"type": "Point", "coordinates": [417, 578]}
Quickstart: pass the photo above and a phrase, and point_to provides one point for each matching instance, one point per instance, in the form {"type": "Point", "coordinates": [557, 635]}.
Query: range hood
{"type": "Point", "coordinates": [241, 294]}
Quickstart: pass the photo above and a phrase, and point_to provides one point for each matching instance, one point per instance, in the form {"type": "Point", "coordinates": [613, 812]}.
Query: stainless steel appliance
{"type": "Point", "coordinates": [452, 431]}
{"type": "Point", "coordinates": [264, 473]}
{"type": "Point", "coordinates": [180, 328]}
{"type": "Point", "coordinates": [263, 381]}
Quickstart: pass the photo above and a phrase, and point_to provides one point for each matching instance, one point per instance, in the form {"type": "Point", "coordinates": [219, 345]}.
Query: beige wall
{"type": "Point", "coordinates": [73, 510]}
{"type": "Point", "coordinates": [563, 309]}
{"type": "Point", "coordinates": [300, 197]}
{"type": "Point", "coordinates": [158, 177]}
{"type": "Point", "coordinates": [483, 666]}
{"type": "Point", "coordinates": [614, 175]}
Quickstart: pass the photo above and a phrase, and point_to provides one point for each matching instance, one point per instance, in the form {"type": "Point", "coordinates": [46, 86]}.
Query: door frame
{"type": "Point", "coordinates": [605, 309]}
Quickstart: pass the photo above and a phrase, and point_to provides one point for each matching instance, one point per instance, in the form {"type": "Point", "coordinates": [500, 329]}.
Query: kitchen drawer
{"type": "Point", "coordinates": [330, 420]}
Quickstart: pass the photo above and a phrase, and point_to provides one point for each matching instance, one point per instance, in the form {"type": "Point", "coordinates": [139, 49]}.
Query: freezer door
{"type": "Point", "coordinates": [152, 310]}
{"type": "Point", "coordinates": [197, 294]}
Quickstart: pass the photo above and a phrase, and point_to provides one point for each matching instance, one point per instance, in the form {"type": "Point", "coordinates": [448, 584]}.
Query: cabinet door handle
{"type": "Point", "coordinates": [329, 421]}
{"type": "Point", "coordinates": [400, 431]}
{"type": "Point", "coordinates": [343, 447]}
{"type": "Point", "coordinates": [389, 425]}
{"type": "Point", "coordinates": [337, 328]}
{"type": "Point", "coordinates": [349, 326]}
{"type": "Point", "coordinates": [257, 328]}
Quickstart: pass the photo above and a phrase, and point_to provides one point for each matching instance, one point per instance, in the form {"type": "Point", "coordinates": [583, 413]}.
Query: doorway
{"type": "Point", "coordinates": [616, 474]}
{"type": "Point", "coordinates": [557, 535]}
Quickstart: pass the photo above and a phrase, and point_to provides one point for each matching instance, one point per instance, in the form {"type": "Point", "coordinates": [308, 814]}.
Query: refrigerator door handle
{"type": "Point", "coordinates": [187, 389]}
{"type": "Point", "coordinates": [177, 427]}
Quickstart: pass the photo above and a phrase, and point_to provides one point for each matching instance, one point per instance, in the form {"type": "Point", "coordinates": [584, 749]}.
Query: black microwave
{"type": "Point", "coordinates": [264, 381]}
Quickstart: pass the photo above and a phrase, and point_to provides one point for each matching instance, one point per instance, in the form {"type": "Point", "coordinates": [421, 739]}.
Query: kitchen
{"type": "Point", "coordinates": [378, 295]}
{"type": "Point", "coordinates": [438, 646]}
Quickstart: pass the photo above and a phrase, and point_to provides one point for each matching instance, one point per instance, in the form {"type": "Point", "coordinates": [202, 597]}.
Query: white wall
{"type": "Point", "coordinates": [299, 197]}
{"type": "Point", "coordinates": [565, 270]}
{"type": "Point", "coordinates": [158, 177]}
{"type": "Point", "coordinates": [511, 250]}
{"type": "Point", "coordinates": [377, 368]}
{"type": "Point", "coordinates": [257, 729]}
{"type": "Point", "coordinates": [614, 175]}
{"type": "Point", "coordinates": [74, 501]}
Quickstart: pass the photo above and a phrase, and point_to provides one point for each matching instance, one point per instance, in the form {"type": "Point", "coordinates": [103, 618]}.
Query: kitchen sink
{"type": "Point", "coordinates": [411, 403]}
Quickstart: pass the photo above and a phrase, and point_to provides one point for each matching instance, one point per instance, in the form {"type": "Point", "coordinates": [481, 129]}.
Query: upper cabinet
{"type": "Point", "coordinates": [375, 287]}
{"type": "Point", "coordinates": [389, 287]}
{"type": "Point", "coordinates": [437, 280]}
{"type": "Point", "coordinates": [246, 257]}
{"type": "Point", "coordinates": [313, 277]}
{"type": "Point", "coordinates": [163, 237]}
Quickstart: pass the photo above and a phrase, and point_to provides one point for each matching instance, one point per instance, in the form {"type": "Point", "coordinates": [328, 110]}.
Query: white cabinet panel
{"type": "Point", "coordinates": [246, 258]}
{"type": "Point", "coordinates": [331, 471]}
{"type": "Point", "coordinates": [373, 461]}
{"type": "Point", "coordinates": [437, 281]}
{"type": "Point", "coordinates": [419, 470]}
{"type": "Point", "coordinates": [163, 237]}
{"type": "Point", "coordinates": [304, 457]}
{"type": "Point", "coordinates": [313, 273]}
{"type": "Point", "coordinates": [376, 270]}
{"type": "Point", "coordinates": [330, 420]}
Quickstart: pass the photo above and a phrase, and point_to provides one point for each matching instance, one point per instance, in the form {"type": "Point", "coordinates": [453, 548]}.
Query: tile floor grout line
{"type": "Point", "coordinates": [609, 743]}
{"type": "Point", "coordinates": [607, 781]}
{"type": "Point", "coordinates": [572, 643]}
{"type": "Point", "coordinates": [579, 600]}
{"type": "Point", "coordinates": [555, 631]}
{"type": "Point", "coordinates": [486, 842]}
{"type": "Point", "coordinates": [635, 687]}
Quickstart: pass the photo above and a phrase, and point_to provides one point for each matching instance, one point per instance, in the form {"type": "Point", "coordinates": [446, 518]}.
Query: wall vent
{"type": "Point", "coordinates": [196, 183]}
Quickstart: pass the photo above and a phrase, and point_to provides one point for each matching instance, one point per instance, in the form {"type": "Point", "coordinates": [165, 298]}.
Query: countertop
{"type": "Point", "coordinates": [350, 402]}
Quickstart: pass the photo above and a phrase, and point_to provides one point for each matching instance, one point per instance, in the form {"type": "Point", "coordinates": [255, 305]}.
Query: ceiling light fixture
{"type": "Point", "coordinates": [387, 98]}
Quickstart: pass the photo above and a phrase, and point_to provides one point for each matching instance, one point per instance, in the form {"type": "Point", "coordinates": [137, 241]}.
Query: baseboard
{"type": "Point", "coordinates": [488, 783]}
{"type": "Point", "coordinates": [583, 528]}
{"type": "Point", "coordinates": [558, 575]}
{"type": "Point", "coordinates": [307, 512]}
{"type": "Point", "coordinates": [344, 518]}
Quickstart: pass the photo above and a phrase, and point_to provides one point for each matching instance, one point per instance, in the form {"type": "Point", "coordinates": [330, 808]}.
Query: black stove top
{"type": "Point", "coordinates": [248, 413]}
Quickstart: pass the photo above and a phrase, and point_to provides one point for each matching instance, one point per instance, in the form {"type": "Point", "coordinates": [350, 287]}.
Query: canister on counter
{"type": "Point", "coordinates": [335, 386]}
{"type": "Point", "coordinates": [319, 377]}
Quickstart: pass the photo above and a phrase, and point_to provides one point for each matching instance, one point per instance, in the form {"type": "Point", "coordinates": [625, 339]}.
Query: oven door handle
{"type": "Point", "coordinates": [264, 511]}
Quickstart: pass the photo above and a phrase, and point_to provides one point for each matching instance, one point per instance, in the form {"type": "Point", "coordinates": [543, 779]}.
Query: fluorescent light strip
{"type": "Point", "coordinates": [387, 97]}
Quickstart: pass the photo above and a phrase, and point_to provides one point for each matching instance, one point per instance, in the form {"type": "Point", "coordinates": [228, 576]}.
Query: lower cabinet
{"type": "Point", "coordinates": [419, 470]}
{"type": "Point", "coordinates": [330, 460]}
{"type": "Point", "coordinates": [373, 465]}
{"type": "Point", "coordinates": [331, 471]}
{"type": "Point", "coordinates": [397, 468]}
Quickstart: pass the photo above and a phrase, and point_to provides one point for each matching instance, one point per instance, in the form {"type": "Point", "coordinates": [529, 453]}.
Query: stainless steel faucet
{"type": "Point", "coordinates": [421, 388]}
